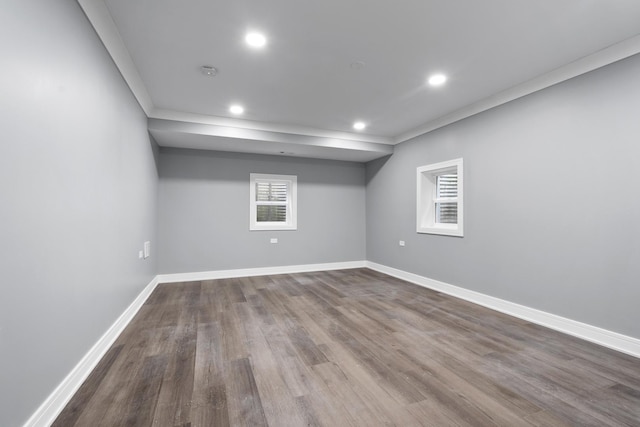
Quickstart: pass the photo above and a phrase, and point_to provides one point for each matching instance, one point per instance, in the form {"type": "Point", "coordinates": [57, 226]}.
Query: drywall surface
{"type": "Point", "coordinates": [204, 212]}
{"type": "Point", "coordinates": [78, 186]}
{"type": "Point", "coordinates": [551, 201]}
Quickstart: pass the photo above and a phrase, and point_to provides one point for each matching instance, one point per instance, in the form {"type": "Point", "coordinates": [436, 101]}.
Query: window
{"type": "Point", "coordinates": [273, 202]}
{"type": "Point", "coordinates": [440, 190]}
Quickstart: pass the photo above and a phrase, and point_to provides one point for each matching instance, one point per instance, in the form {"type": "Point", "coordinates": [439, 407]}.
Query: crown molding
{"type": "Point", "coordinates": [583, 65]}
{"type": "Point", "coordinates": [100, 18]}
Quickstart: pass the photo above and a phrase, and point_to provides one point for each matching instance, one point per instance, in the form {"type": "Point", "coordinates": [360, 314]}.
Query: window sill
{"type": "Point", "coordinates": [442, 230]}
{"type": "Point", "coordinates": [272, 227]}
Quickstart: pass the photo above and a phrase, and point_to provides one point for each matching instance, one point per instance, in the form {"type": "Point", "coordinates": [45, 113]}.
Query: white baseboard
{"type": "Point", "coordinates": [46, 414]}
{"type": "Point", "coordinates": [613, 340]}
{"type": "Point", "coordinates": [263, 271]}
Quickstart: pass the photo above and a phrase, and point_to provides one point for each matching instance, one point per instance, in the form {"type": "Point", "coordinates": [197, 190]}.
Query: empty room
{"type": "Point", "coordinates": [336, 213]}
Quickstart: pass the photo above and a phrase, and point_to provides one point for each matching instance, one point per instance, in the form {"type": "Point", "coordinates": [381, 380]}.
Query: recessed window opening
{"type": "Point", "coordinates": [273, 202]}
{"type": "Point", "coordinates": [439, 198]}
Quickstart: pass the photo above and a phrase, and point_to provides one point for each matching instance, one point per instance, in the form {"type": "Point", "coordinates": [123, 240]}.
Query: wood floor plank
{"type": "Point", "coordinates": [245, 405]}
{"type": "Point", "coordinates": [546, 419]}
{"type": "Point", "coordinates": [544, 393]}
{"type": "Point", "coordinates": [498, 402]}
{"type": "Point", "coordinates": [175, 398]}
{"type": "Point", "coordinates": [346, 348]}
{"type": "Point", "coordinates": [83, 396]}
{"type": "Point", "coordinates": [209, 398]}
{"type": "Point", "coordinates": [356, 410]}
{"type": "Point", "coordinates": [144, 394]}
{"type": "Point", "coordinates": [432, 413]}
{"type": "Point", "coordinates": [617, 402]}
{"type": "Point", "coordinates": [380, 400]}
{"type": "Point", "coordinates": [279, 404]}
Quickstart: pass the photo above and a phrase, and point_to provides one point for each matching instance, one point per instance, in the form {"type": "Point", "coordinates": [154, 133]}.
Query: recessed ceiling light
{"type": "Point", "coordinates": [255, 39]}
{"type": "Point", "coordinates": [359, 125]}
{"type": "Point", "coordinates": [437, 79]}
{"type": "Point", "coordinates": [236, 109]}
{"type": "Point", "coordinates": [208, 70]}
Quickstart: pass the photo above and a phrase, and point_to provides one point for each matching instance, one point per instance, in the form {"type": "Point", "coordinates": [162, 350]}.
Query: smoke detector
{"type": "Point", "coordinates": [208, 70]}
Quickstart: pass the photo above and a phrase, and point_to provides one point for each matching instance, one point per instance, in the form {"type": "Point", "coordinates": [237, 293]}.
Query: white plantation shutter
{"type": "Point", "coordinates": [273, 205]}
{"type": "Point", "coordinates": [447, 185]}
{"type": "Point", "coordinates": [447, 198]}
{"type": "Point", "coordinates": [271, 201]}
{"type": "Point", "coordinates": [271, 191]}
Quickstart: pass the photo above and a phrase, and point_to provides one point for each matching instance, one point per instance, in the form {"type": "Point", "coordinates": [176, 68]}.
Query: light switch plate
{"type": "Point", "coordinates": [147, 249]}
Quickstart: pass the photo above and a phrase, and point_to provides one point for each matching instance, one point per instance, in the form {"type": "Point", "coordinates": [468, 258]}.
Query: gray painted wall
{"type": "Point", "coordinates": [204, 212]}
{"type": "Point", "coordinates": [551, 201]}
{"type": "Point", "coordinates": [79, 185]}
{"type": "Point", "coordinates": [78, 189]}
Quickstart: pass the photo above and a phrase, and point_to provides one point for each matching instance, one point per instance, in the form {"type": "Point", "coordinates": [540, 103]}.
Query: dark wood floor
{"type": "Point", "coordinates": [346, 348]}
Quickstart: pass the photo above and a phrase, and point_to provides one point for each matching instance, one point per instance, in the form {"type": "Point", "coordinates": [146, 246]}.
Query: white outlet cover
{"type": "Point", "coordinates": [147, 249]}
{"type": "Point", "coordinates": [140, 255]}
{"type": "Point", "coordinates": [274, 240]}
{"type": "Point", "coordinates": [401, 242]}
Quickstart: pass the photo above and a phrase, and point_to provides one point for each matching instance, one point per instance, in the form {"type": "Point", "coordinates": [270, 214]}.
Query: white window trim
{"type": "Point", "coordinates": [426, 199]}
{"type": "Point", "coordinates": [292, 206]}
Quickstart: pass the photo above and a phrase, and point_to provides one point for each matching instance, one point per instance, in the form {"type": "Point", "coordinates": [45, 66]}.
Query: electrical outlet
{"type": "Point", "coordinates": [401, 242]}
{"type": "Point", "coordinates": [140, 254]}
{"type": "Point", "coordinates": [274, 240]}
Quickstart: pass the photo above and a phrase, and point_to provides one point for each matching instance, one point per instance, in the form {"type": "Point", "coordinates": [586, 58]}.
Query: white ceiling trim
{"type": "Point", "coordinates": [171, 133]}
{"type": "Point", "coordinates": [262, 135]}
{"type": "Point", "coordinates": [158, 113]}
{"type": "Point", "coordinates": [99, 16]}
{"type": "Point", "coordinates": [102, 22]}
{"type": "Point", "coordinates": [591, 62]}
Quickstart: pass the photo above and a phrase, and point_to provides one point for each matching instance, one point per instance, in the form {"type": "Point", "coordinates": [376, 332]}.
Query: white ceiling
{"type": "Point", "coordinates": [301, 94]}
